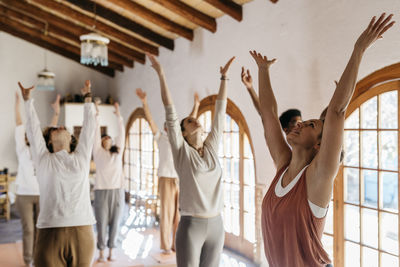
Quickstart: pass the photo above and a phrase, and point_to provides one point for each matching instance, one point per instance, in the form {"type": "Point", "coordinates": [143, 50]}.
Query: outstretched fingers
{"type": "Point", "coordinates": [224, 70]}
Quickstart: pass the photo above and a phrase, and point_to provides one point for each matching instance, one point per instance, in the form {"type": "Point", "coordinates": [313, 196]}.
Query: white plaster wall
{"type": "Point", "coordinates": [312, 41]}
{"type": "Point", "coordinates": [21, 61]}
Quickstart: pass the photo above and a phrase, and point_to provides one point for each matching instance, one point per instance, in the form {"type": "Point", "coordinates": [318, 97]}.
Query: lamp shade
{"type": "Point", "coordinates": [45, 80]}
{"type": "Point", "coordinates": [94, 49]}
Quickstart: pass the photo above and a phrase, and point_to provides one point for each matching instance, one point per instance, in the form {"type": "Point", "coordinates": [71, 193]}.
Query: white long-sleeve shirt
{"type": "Point", "coordinates": [200, 178]}
{"type": "Point", "coordinates": [26, 180]}
{"type": "Point", "coordinates": [109, 171]}
{"type": "Point", "coordinates": [166, 166]}
{"type": "Point", "coordinates": [62, 176]}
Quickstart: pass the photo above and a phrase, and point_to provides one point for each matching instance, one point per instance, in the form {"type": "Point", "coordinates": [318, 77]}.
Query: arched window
{"type": "Point", "coordinates": [237, 160]}
{"type": "Point", "coordinates": [366, 214]}
{"type": "Point", "coordinates": [141, 156]}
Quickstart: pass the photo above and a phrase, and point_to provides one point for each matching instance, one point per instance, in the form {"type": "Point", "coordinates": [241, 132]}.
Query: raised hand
{"type": "Point", "coordinates": [87, 88]}
{"type": "Point", "coordinates": [116, 111]}
{"type": "Point", "coordinates": [224, 70]}
{"type": "Point", "coordinates": [26, 92]}
{"type": "Point", "coordinates": [141, 94]}
{"type": "Point", "coordinates": [374, 31]}
{"type": "Point", "coordinates": [262, 61]}
{"type": "Point", "coordinates": [56, 105]}
{"type": "Point", "coordinates": [247, 80]}
{"type": "Point", "coordinates": [155, 63]}
{"type": "Point", "coordinates": [196, 99]}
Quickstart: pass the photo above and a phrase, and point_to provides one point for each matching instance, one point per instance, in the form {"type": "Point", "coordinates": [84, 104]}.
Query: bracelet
{"type": "Point", "coordinates": [87, 95]}
{"type": "Point", "coordinates": [223, 78]}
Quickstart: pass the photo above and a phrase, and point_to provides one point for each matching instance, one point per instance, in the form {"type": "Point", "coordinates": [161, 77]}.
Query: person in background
{"type": "Point", "coordinates": [109, 185]}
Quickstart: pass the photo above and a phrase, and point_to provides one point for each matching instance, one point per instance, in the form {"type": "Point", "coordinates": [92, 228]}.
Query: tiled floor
{"type": "Point", "coordinates": [139, 246]}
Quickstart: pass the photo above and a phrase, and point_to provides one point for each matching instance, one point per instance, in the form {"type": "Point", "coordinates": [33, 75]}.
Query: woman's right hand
{"type": "Point", "coordinates": [141, 94]}
{"type": "Point", "coordinates": [155, 64]}
{"type": "Point", "coordinates": [247, 80]}
{"type": "Point", "coordinates": [224, 70]}
{"type": "Point", "coordinates": [87, 88]}
{"type": "Point", "coordinates": [262, 61]}
{"type": "Point", "coordinates": [26, 92]}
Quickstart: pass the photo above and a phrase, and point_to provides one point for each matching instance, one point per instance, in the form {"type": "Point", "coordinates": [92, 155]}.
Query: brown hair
{"type": "Point", "coordinates": [47, 133]}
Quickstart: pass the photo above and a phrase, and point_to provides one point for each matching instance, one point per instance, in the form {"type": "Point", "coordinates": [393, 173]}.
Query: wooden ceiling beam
{"type": "Point", "coordinates": [70, 29]}
{"type": "Point", "coordinates": [58, 50]}
{"type": "Point", "coordinates": [37, 34]}
{"type": "Point", "coordinates": [75, 16]}
{"type": "Point", "coordinates": [57, 33]}
{"type": "Point", "coordinates": [229, 7]}
{"type": "Point", "coordinates": [123, 22]}
{"type": "Point", "coordinates": [189, 13]}
{"type": "Point", "coordinates": [151, 16]}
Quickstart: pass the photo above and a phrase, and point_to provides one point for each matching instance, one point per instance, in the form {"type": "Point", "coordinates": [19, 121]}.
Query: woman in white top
{"type": "Point", "coordinates": [108, 188]}
{"type": "Point", "coordinates": [27, 200]}
{"type": "Point", "coordinates": [200, 235]}
{"type": "Point", "coordinates": [168, 188]}
{"type": "Point", "coordinates": [65, 235]}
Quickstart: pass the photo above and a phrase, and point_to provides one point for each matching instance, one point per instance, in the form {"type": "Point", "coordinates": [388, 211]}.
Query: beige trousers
{"type": "Point", "coordinates": [28, 208]}
{"type": "Point", "coordinates": [65, 247]}
{"type": "Point", "coordinates": [168, 189]}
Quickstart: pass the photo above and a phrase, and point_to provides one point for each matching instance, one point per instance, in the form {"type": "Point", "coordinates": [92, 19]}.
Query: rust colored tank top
{"type": "Point", "coordinates": [292, 234]}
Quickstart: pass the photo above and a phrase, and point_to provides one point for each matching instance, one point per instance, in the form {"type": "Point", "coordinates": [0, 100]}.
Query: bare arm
{"type": "Point", "coordinates": [196, 106]}
{"type": "Point", "coordinates": [143, 97]}
{"type": "Point", "coordinates": [276, 142]}
{"type": "Point", "coordinates": [120, 139]}
{"type": "Point", "coordinates": [56, 109]}
{"type": "Point", "coordinates": [165, 93]}
{"type": "Point", "coordinates": [18, 118]}
{"type": "Point", "coordinates": [324, 167]}
{"type": "Point", "coordinates": [247, 80]}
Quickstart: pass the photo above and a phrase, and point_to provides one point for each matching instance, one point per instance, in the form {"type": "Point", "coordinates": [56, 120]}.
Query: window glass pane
{"type": "Point", "coordinates": [389, 233]}
{"type": "Point", "coordinates": [227, 123]}
{"type": "Point", "coordinates": [227, 219]}
{"type": "Point", "coordinates": [236, 174]}
{"type": "Point", "coordinates": [351, 185]}
{"type": "Point", "coordinates": [227, 145]}
{"type": "Point", "coordinates": [352, 148]}
{"type": "Point", "coordinates": [389, 260]}
{"type": "Point", "coordinates": [369, 114]}
{"type": "Point", "coordinates": [249, 200]}
{"type": "Point", "coordinates": [390, 190]}
{"type": "Point", "coordinates": [249, 176]}
{"type": "Point", "coordinates": [227, 170]}
{"type": "Point", "coordinates": [370, 257]}
{"type": "Point", "coordinates": [227, 194]}
{"type": "Point", "coordinates": [235, 196]}
{"type": "Point", "coordinates": [370, 227]}
{"type": "Point", "coordinates": [389, 109]}
{"type": "Point", "coordinates": [370, 188]}
{"type": "Point", "coordinates": [235, 145]}
{"type": "Point", "coordinates": [352, 223]}
{"type": "Point", "coordinates": [389, 150]}
{"type": "Point", "coordinates": [327, 242]}
{"type": "Point", "coordinates": [247, 148]}
{"type": "Point", "coordinates": [352, 254]}
{"type": "Point", "coordinates": [249, 227]}
{"type": "Point", "coordinates": [369, 149]}
{"type": "Point", "coordinates": [329, 219]}
{"type": "Point", "coordinates": [235, 222]}
{"type": "Point", "coordinates": [353, 121]}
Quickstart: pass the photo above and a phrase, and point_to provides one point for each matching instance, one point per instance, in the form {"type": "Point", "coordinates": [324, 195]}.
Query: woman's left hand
{"type": "Point", "coordinates": [26, 92]}
{"type": "Point", "coordinates": [224, 70]}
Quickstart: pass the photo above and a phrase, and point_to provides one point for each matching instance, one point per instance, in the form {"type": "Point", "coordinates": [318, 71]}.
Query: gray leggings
{"type": "Point", "coordinates": [108, 208]}
{"type": "Point", "coordinates": [199, 241]}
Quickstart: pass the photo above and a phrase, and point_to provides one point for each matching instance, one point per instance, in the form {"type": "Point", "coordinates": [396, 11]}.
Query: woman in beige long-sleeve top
{"type": "Point", "coordinates": [200, 235]}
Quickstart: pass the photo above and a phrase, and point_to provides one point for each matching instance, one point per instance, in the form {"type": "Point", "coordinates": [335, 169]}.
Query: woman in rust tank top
{"type": "Point", "coordinates": [307, 168]}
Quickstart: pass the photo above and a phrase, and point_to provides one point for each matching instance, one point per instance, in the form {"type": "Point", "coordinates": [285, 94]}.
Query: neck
{"type": "Point", "coordinates": [195, 141]}
{"type": "Point", "coordinates": [60, 146]}
{"type": "Point", "coordinates": [300, 159]}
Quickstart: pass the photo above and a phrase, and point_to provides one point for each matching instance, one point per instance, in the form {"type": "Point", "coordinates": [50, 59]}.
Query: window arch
{"type": "Point", "coordinates": [237, 160]}
{"type": "Point", "coordinates": [140, 156]}
{"type": "Point", "coordinates": [366, 214]}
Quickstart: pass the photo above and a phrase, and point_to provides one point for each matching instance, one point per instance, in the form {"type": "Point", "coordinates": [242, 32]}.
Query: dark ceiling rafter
{"type": "Point", "coordinates": [56, 49]}
{"type": "Point", "coordinates": [123, 22]}
{"type": "Point", "coordinates": [68, 27]}
{"type": "Point", "coordinates": [229, 7]}
{"type": "Point", "coordinates": [153, 17]}
{"type": "Point", "coordinates": [189, 13]}
{"type": "Point", "coordinates": [107, 30]}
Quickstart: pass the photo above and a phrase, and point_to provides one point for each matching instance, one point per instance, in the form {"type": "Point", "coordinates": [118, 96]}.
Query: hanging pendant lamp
{"type": "Point", "coordinates": [45, 80]}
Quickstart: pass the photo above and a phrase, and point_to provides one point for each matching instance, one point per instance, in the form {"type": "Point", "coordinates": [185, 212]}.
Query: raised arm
{"type": "Point", "coordinates": [247, 80]}
{"type": "Point", "coordinates": [217, 126]}
{"type": "Point", "coordinates": [120, 139]}
{"type": "Point", "coordinates": [278, 148]}
{"type": "Point", "coordinates": [97, 135]}
{"type": "Point", "coordinates": [143, 97]}
{"type": "Point", "coordinates": [18, 118]}
{"type": "Point", "coordinates": [196, 106]}
{"type": "Point", "coordinates": [165, 93]}
{"type": "Point", "coordinates": [56, 108]}
{"type": "Point", "coordinates": [86, 137]}
{"type": "Point", "coordinates": [33, 131]}
{"type": "Point", "coordinates": [325, 165]}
